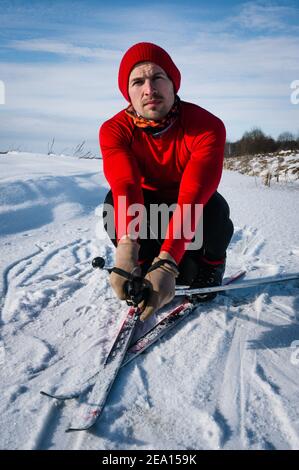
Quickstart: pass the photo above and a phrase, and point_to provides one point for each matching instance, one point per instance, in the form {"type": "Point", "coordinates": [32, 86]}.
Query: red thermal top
{"type": "Point", "coordinates": [183, 164]}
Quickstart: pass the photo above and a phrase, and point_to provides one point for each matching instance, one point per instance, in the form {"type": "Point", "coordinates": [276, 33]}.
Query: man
{"type": "Point", "coordinates": [164, 150]}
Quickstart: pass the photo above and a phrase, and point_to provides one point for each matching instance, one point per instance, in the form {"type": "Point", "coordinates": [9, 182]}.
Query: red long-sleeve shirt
{"type": "Point", "coordinates": [184, 164]}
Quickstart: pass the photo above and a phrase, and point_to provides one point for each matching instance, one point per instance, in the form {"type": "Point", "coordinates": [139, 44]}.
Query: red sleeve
{"type": "Point", "coordinates": [122, 172]}
{"type": "Point", "coordinates": [200, 180]}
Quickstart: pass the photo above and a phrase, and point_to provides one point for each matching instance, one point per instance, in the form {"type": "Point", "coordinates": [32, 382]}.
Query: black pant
{"type": "Point", "coordinates": [217, 233]}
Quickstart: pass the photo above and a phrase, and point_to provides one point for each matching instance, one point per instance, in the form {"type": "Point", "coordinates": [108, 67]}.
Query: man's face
{"type": "Point", "coordinates": [151, 91]}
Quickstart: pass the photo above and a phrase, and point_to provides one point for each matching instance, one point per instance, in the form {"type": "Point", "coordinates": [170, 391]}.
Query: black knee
{"type": "Point", "coordinates": [108, 217]}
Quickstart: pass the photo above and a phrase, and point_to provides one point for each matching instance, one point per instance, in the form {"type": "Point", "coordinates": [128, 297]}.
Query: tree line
{"type": "Point", "coordinates": [255, 142]}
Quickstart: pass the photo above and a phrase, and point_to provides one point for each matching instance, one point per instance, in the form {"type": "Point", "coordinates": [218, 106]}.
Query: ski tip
{"type": "Point", "coordinates": [241, 273]}
{"type": "Point", "coordinates": [236, 276]}
{"type": "Point", "coordinates": [59, 397]}
{"type": "Point", "coordinates": [77, 429]}
{"type": "Point", "coordinates": [46, 394]}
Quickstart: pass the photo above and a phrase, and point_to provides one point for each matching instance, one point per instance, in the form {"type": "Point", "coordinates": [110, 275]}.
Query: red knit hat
{"type": "Point", "coordinates": [143, 52]}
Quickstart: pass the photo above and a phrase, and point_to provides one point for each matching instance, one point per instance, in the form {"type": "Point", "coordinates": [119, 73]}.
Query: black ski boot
{"type": "Point", "coordinates": [210, 274]}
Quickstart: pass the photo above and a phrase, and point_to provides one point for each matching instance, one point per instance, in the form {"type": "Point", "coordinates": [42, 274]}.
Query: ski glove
{"type": "Point", "coordinates": [126, 258]}
{"type": "Point", "coordinates": [162, 284]}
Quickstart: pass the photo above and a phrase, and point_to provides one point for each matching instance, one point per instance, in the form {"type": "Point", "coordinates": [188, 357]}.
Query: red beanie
{"type": "Point", "coordinates": [143, 52]}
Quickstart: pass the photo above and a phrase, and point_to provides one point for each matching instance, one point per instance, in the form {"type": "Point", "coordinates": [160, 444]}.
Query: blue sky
{"type": "Point", "coordinates": [59, 62]}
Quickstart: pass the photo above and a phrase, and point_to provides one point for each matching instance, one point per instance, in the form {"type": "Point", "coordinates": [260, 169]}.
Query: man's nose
{"type": "Point", "coordinates": [149, 87]}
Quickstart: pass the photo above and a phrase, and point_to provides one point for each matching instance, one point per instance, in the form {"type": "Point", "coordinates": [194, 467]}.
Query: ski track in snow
{"type": "Point", "coordinates": [239, 409]}
{"type": "Point", "coordinates": [220, 380]}
{"type": "Point", "coordinates": [36, 284]}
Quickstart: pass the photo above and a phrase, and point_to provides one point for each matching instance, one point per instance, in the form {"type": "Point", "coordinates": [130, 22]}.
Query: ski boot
{"type": "Point", "coordinates": [210, 274]}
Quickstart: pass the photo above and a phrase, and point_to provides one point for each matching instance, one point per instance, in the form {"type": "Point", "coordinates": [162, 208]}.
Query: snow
{"type": "Point", "coordinates": [226, 378]}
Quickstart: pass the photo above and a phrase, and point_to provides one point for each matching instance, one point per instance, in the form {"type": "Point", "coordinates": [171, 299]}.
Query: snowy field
{"type": "Point", "coordinates": [227, 378]}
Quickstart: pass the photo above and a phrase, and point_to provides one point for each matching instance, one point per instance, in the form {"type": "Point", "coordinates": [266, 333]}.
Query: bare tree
{"type": "Point", "coordinates": [287, 141]}
{"type": "Point", "coordinates": [50, 146]}
{"type": "Point", "coordinates": [80, 152]}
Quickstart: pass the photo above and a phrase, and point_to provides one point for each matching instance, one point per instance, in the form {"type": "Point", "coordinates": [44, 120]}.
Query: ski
{"type": "Point", "coordinates": [175, 316]}
{"type": "Point", "coordinates": [146, 340]}
{"type": "Point", "coordinates": [91, 409]}
{"type": "Point", "coordinates": [241, 285]}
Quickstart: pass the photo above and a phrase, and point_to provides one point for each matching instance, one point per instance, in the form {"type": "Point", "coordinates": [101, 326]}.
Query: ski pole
{"type": "Point", "coordinates": [135, 288]}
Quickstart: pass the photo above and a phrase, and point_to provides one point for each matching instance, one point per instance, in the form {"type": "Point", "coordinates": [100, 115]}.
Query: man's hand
{"type": "Point", "coordinates": [126, 258]}
{"type": "Point", "coordinates": [162, 282]}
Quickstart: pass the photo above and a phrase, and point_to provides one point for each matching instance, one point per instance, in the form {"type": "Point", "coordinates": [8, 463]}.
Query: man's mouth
{"type": "Point", "coordinates": [153, 102]}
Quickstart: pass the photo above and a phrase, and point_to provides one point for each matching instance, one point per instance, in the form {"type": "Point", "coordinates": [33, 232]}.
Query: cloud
{"type": "Point", "coordinates": [266, 16]}
{"type": "Point", "coordinates": [240, 77]}
{"type": "Point", "coordinates": [63, 48]}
